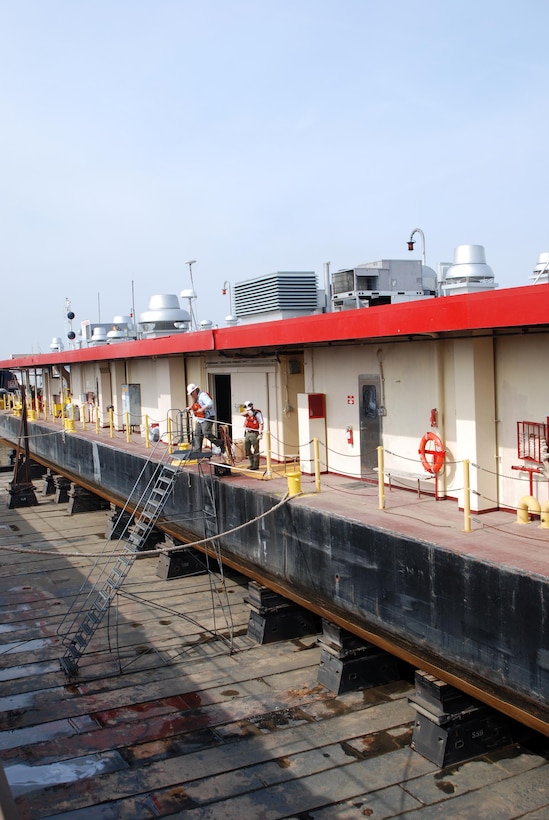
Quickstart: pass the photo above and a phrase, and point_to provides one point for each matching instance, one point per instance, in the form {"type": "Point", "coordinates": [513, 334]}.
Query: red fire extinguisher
{"type": "Point", "coordinates": [349, 435]}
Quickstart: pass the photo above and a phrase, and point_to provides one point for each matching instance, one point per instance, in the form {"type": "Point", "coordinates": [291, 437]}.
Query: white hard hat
{"type": "Point", "coordinates": [191, 388]}
{"type": "Point", "coordinates": [248, 404]}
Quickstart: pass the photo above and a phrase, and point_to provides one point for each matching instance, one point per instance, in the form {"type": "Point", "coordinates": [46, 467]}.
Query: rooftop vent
{"type": "Point", "coordinates": [122, 330]}
{"type": "Point", "coordinates": [282, 295]}
{"type": "Point", "coordinates": [540, 276]}
{"type": "Point", "coordinates": [164, 317]}
{"type": "Point", "coordinates": [469, 272]}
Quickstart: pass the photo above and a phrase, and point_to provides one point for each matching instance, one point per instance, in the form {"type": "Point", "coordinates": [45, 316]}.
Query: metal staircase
{"type": "Point", "coordinates": [104, 590]}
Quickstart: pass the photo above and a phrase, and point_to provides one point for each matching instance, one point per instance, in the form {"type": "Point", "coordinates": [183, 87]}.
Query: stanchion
{"type": "Point", "coordinates": [317, 464]}
{"type": "Point", "coordinates": [268, 455]}
{"type": "Point", "coordinates": [170, 442]}
{"type": "Point", "coordinates": [381, 477]}
{"type": "Point", "coordinates": [466, 498]}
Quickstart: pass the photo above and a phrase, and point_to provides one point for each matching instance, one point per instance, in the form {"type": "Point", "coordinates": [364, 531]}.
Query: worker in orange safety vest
{"type": "Point", "coordinates": [253, 433]}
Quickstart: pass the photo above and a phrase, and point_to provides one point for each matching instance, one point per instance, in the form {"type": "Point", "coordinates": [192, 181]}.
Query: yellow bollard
{"type": "Point", "coordinates": [128, 430]}
{"type": "Point", "coordinates": [294, 483]}
{"type": "Point", "coordinates": [527, 504]}
{"type": "Point", "coordinates": [111, 421]}
{"type": "Point", "coordinates": [545, 515]}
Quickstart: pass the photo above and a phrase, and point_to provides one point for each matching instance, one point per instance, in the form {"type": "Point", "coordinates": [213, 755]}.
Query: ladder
{"type": "Point", "coordinates": [105, 589]}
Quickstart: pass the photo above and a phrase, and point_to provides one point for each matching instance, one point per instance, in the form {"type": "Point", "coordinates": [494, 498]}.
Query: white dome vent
{"type": "Point", "coordinates": [164, 317]}
{"type": "Point", "coordinates": [469, 272]}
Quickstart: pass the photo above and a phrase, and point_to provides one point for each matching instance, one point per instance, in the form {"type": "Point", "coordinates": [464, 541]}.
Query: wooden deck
{"type": "Point", "coordinates": [177, 713]}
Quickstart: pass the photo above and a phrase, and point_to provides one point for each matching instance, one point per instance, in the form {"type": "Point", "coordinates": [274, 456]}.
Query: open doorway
{"type": "Point", "coordinates": [222, 397]}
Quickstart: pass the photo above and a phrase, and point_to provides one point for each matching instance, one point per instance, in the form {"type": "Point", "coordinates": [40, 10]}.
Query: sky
{"type": "Point", "coordinates": [256, 136]}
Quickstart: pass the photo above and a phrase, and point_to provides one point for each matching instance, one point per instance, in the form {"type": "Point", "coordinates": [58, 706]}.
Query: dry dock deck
{"type": "Point", "coordinates": [191, 729]}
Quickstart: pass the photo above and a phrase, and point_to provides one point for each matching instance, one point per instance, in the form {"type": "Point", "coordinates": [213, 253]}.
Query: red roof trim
{"type": "Point", "coordinates": [526, 306]}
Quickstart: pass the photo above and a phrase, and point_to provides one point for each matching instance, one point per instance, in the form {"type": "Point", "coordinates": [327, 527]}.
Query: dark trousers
{"type": "Point", "coordinates": [204, 429]}
{"type": "Point", "coordinates": [251, 446]}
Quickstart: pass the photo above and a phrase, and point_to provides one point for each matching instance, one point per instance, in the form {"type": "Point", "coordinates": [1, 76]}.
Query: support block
{"type": "Point", "coordinates": [180, 564]}
{"type": "Point", "coordinates": [348, 663]}
{"type": "Point", "coordinates": [290, 621]}
{"type": "Point", "coordinates": [22, 495]}
{"type": "Point", "coordinates": [83, 500]}
{"type": "Point", "coordinates": [452, 727]}
{"type": "Point", "coordinates": [62, 486]}
{"type": "Point", "coordinates": [49, 484]}
{"type": "Point", "coordinates": [119, 524]}
{"type": "Point", "coordinates": [360, 670]}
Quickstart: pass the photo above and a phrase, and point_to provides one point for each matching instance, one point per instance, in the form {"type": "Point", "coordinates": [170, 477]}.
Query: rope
{"type": "Point", "coordinates": [164, 550]}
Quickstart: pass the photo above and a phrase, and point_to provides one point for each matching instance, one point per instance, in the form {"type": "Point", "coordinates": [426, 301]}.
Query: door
{"type": "Point", "coordinates": [370, 421]}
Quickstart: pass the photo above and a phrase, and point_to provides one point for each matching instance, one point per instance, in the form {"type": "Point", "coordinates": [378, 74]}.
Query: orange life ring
{"type": "Point", "coordinates": [436, 452]}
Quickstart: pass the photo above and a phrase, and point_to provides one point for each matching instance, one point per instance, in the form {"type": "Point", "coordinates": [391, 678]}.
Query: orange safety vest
{"type": "Point", "coordinates": [252, 422]}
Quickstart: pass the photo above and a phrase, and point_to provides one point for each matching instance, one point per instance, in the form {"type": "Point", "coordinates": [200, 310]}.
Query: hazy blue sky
{"type": "Point", "coordinates": [257, 136]}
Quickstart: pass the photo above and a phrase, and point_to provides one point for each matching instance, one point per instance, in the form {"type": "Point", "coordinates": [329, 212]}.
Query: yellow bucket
{"type": "Point", "coordinates": [294, 483]}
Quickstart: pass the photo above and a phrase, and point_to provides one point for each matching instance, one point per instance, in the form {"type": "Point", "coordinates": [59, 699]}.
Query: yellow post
{"type": "Point", "coordinates": [466, 497]}
{"type": "Point", "coordinates": [268, 454]}
{"type": "Point", "coordinates": [381, 477]}
{"type": "Point", "coordinates": [128, 431]}
{"type": "Point", "coordinates": [147, 438]}
{"type": "Point", "coordinates": [84, 410]}
{"type": "Point", "coordinates": [170, 443]}
{"type": "Point", "coordinates": [97, 420]}
{"type": "Point", "coordinates": [317, 463]}
{"type": "Point", "coordinates": [111, 421]}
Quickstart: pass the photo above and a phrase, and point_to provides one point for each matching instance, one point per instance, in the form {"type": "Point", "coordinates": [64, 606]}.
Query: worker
{"type": "Point", "coordinates": [253, 433]}
{"type": "Point", "coordinates": [202, 409]}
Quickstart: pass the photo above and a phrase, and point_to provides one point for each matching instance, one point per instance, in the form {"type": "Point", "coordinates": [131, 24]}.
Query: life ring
{"type": "Point", "coordinates": [436, 452]}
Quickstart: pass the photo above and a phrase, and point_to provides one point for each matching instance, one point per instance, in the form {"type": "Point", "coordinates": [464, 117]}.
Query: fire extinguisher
{"type": "Point", "coordinates": [349, 435]}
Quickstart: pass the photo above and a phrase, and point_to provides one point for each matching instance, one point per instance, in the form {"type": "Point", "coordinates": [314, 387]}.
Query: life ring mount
{"type": "Point", "coordinates": [432, 453]}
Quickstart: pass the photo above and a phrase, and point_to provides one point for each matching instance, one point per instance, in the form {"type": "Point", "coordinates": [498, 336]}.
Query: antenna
{"type": "Point", "coordinates": [190, 295]}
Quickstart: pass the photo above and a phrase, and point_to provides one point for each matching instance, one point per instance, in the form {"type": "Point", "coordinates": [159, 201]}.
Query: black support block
{"type": "Point", "coordinates": [282, 624]}
{"type": "Point", "coordinates": [451, 727]}
{"type": "Point", "coordinates": [181, 563]}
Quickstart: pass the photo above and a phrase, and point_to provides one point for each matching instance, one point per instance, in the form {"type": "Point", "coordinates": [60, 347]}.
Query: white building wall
{"type": "Point", "coordinates": [522, 394]}
{"type": "Point", "coordinates": [409, 392]}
